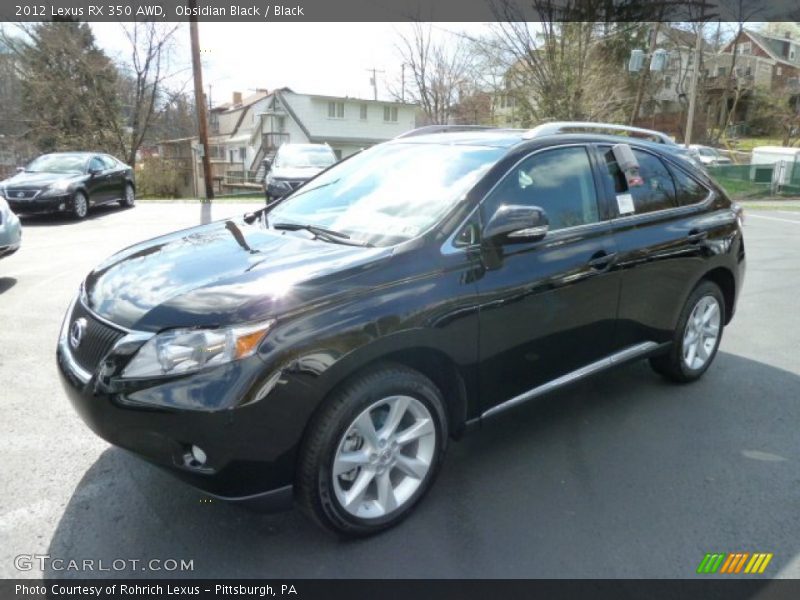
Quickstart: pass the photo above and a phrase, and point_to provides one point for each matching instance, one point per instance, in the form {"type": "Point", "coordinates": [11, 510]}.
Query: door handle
{"type": "Point", "coordinates": [695, 236]}
{"type": "Point", "coordinates": [602, 259]}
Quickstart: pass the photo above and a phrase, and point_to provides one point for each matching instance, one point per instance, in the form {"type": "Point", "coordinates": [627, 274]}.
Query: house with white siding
{"type": "Point", "coordinates": [246, 131]}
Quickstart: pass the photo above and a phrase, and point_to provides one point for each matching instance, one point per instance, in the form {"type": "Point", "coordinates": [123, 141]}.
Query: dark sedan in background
{"type": "Point", "coordinates": [69, 182]}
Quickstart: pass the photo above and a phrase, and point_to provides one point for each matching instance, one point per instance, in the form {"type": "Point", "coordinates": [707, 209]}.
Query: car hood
{"type": "Point", "coordinates": [224, 273]}
{"type": "Point", "coordinates": [295, 172]}
{"type": "Point", "coordinates": [35, 180]}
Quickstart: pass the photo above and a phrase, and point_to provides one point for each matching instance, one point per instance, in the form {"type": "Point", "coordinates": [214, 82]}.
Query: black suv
{"type": "Point", "coordinates": [326, 348]}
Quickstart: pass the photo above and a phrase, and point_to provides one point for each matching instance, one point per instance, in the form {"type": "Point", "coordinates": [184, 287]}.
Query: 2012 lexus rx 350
{"type": "Point", "coordinates": [326, 348]}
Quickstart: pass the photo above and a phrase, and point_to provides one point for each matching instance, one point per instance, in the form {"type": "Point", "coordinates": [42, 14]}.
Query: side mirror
{"type": "Point", "coordinates": [20, 169]}
{"type": "Point", "coordinates": [93, 172]}
{"type": "Point", "coordinates": [515, 223]}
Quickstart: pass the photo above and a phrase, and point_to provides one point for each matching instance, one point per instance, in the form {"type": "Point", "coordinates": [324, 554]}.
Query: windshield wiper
{"type": "Point", "coordinates": [321, 232]}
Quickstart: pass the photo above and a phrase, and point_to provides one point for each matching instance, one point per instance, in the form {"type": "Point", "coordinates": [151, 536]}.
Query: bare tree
{"type": "Point", "coordinates": [438, 72]}
{"type": "Point", "coordinates": [144, 75]}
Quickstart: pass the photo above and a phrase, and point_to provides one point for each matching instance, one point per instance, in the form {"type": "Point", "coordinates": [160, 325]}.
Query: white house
{"type": "Point", "coordinates": [247, 130]}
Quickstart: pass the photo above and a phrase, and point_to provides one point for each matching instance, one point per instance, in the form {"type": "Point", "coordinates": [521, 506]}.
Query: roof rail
{"type": "Point", "coordinates": [563, 126]}
{"type": "Point", "coordinates": [442, 129]}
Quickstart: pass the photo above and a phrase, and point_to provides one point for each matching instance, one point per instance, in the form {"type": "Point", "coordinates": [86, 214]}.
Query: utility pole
{"type": "Point", "coordinates": [644, 77]}
{"type": "Point", "coordinates": [374, 81]}
{"type": "Point", "coordinates": [693, 92]}
{"type": "Point", "coordinates": [200, 103]}
{"type": "Point", "coordinates": [403, 82]}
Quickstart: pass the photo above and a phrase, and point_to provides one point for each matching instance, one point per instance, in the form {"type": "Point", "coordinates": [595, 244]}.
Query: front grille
{"type": "Point", "coordinates": [21, 194]}
{"type": "Point", "coordinates": [98, 338]}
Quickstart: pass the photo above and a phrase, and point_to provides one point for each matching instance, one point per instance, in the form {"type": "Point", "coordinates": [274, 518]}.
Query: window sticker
{"type": "Point", "coordinates": [625, 204]}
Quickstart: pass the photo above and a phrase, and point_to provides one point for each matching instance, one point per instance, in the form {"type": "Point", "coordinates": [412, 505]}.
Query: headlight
{"type": "Point", "coordinates": [59, 187]}
{"type": "Point", "coordinates": [188, 350]}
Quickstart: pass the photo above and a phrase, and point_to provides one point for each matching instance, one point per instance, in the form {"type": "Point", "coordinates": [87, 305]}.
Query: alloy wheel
{"type": "Point", "coordinates": [701, 333]}
{"type": "Point", "coordinates": [81, 206]}
{"type": "Point", "coordinates": [384, 456]}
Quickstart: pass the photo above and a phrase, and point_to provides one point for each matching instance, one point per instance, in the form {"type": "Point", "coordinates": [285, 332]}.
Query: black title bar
{"type": "Point", "coordinates": [260, 11]}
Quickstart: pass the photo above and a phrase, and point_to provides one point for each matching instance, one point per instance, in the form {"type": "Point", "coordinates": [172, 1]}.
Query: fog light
{"type": "Point", "coordinates": [198, 455]}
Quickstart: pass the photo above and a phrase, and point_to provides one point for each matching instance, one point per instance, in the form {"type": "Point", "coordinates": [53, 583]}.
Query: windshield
{"type": "Point", "coordinates": [300, 157]}
{"type": "Point", "coordinates": [390, 193]}
{"type": "Point", "coordinates": [57, 163]}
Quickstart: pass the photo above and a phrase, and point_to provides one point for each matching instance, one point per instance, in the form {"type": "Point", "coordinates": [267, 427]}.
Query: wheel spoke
{"type": "Point", "coordinates": [356, 492]}
{"type": "Point", "coordinates": [386, 497]}
{"type": "Point", "coordinates": [366, 429]}
{"type": "Point", "coordinates": [691, 354]}
{"type": "Point", "coordinates": [397, 410]}
{"type": "Point", "coordinates": [710, 312]}
{"type": "Point", "coordinates": [702, 351]}
{"type": "Point", "coordinates": [347, 461]}
{"type": "Point", "coordinates": [420, 428]}
{"type": "Point", "coordinates": [411, 466]}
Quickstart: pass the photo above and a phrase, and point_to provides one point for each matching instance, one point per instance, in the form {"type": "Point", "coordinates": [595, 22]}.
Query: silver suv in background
{"type": "Point", "coordinates": [293, 165]}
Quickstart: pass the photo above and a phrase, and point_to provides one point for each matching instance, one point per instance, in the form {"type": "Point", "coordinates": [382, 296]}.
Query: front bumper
{"type": "Point", "coordinates": [250, 448]}
{"type": "Point", "coordinates": [41, 205]}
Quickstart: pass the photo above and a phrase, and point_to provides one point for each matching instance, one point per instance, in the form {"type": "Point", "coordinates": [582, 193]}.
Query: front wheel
{"type": "Point", "coordinates": [697, 336]}
{"type": "Point", "coordinates": [373, 451]}
{"type": "Point", "coordinates": [80, 205]}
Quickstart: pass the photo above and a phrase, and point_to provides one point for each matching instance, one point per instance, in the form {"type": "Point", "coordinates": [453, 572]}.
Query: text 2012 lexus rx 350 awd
{"type": "Point", "coordinates": [325, 349]}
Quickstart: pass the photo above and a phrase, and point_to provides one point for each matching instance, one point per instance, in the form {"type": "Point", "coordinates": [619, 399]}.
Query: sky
{"type": "Point", "coordinates": [320, 58]}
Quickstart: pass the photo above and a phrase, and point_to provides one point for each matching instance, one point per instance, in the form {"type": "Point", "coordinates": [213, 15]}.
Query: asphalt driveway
{"type": "Point", "coordinates": [624, 475]}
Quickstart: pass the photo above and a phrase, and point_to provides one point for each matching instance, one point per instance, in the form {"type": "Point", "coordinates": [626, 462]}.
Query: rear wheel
{"type": "Point", "coordinates": [128, 196]}
{"type": "Point", "coordinates": [373, 451]}
{"type": "Point", "coordinates": [697, 336]}
{"type": "Point", "coordinates": [80, 205]}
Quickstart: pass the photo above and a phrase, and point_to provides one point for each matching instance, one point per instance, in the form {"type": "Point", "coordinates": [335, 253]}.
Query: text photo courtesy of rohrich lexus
{"type": "Point", "coordinates": [511, 299]}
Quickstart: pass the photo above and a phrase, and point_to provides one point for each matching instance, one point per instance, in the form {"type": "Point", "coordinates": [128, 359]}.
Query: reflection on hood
{"type": "Point", "coordinates": [221, 273]}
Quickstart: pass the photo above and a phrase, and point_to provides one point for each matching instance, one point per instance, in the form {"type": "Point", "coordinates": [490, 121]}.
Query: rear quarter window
{"type": "Point", "coordinates": [688, 190]}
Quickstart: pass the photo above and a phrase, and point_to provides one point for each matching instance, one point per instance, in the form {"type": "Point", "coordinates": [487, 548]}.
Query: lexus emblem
{"type": "Point", "coordinates": [20, 194]}
{"type": "Point", "coordinates": [76, 333]}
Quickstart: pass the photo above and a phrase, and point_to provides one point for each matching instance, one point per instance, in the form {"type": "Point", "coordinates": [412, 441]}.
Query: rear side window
{"type": "Point", "coordinates": [109, 162]}
{"type": "Point", "coordinates": [559, 181]}
{"type": "Point", "coordinates": [689, 191]}
{"type": "Point", "coordinates": [658, 190]}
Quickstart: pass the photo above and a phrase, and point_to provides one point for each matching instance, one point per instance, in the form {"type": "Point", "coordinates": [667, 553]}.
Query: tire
{"type": "Point", "coordinates": [697, 336]}
{"type": "Point", "coordinates": [129, 197]}
{"type": "Point", "coordinates": [80, 205]}
{"type": "Point", "coordinates": [378, 491]}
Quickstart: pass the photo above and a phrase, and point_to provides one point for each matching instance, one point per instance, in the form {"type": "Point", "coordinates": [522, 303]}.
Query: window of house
{"type": "Point", "coordinates": [363, 113]}
{"type": "Point", "coordinates": [745, 48]}
{"type": "Point", "coordinates": [390, 114]}
{"type": "Point", "coordinates": [721, 71]}
{"type": "Point", "coordinates": [281, 123]}
{"type": "Point", "coordinates": [667, 81]}
{"type": "Point", "coordinates": [336, 110]}
{"type": "Point", "coordinates": [658, 190]}
{"type": "Point", "coordinates": [559, 181]}
{"type": "Point", "coordinates": [779, 71]}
